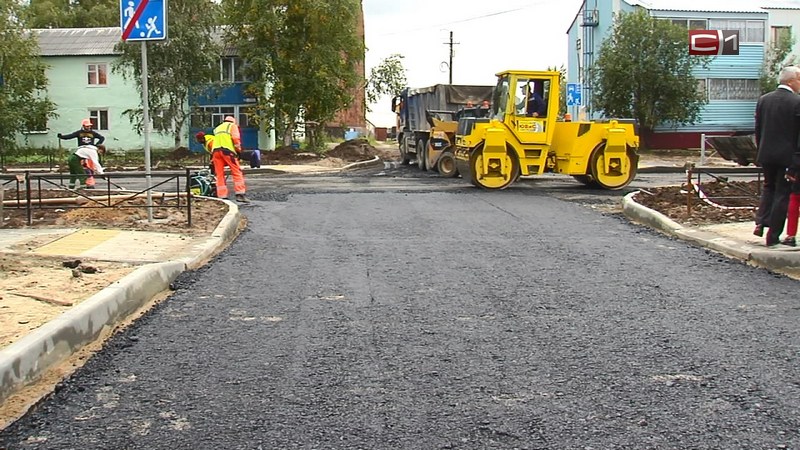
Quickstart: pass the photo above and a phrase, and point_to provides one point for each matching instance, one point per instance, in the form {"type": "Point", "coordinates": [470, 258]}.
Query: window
{"type": "Point", "coordinates": [231, 70]}
{"type": "Point", "coordinates": [531, 97]}
{"type": "Point", "coordinates": [99, 118]}
{"type": "Point", "coordinates": [211, 116]}
{"type": "Point", "coordinates": [780, 34]}
{"type": "Point", "coordinates": [160, 122]}
{"type": "Point", "coordinates": [733, 89]}
{"type": "Point", "coordinates": [702, 87]}
{"type": "Point", "coordinates": [690, 24]}
{"type": "Point", "coordinates": [749, 30]}
{"type": "Point", "coordinates": [97, 74]}
{"type": "Point", "coordinates": [35, 124]}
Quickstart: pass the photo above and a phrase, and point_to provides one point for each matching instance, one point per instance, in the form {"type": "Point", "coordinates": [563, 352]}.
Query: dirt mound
{"type": "Point", "coordinates": [353, 150]}
{"type": "Point", "coordinates": [180, 153]}
{"type": "Point", "coordinates": [286, 154]}
{"type": "Point", "coordinates": [124, 214]}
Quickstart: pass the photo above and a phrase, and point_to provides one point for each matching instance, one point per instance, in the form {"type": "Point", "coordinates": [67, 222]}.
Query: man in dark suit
{"type": "Point", "coordinates": [777, 133]}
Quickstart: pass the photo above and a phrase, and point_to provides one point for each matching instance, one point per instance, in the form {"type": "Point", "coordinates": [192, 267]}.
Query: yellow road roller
{"type": "Point", "coordinates": [523, 135]}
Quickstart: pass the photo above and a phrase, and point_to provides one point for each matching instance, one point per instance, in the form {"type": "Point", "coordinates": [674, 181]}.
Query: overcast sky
{"type": "Point", "coordinates": [491, 36]}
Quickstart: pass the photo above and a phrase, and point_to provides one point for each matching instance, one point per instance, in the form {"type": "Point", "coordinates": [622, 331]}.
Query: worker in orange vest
{"type": "Point", "coordinates": [227, 148]}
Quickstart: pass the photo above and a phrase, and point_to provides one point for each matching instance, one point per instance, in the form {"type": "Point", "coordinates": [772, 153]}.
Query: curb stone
{"type": "Point", "coordinates": [787, 262]}
{"type": "Point", "coordinates": [27, 359]}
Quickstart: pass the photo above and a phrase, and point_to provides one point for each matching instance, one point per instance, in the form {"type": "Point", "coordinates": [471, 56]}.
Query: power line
{"type": "Point", "coordinates": [471, 19]}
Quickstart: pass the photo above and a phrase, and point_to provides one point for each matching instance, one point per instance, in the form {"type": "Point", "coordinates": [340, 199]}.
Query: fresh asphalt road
{"type": "Point", "coordinates": [356, 312]}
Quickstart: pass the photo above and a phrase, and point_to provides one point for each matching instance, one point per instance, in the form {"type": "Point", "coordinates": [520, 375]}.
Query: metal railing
{"type": "Point", "coordinates": [36, 190]}
{"type": "Point", "coordinates": [716, 174]}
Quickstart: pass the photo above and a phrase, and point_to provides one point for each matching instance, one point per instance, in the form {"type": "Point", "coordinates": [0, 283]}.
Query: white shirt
{"type": "Point", "coordinates": [90, 152]}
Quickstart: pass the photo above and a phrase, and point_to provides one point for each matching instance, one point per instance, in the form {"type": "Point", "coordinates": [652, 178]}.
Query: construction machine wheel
{"type": "Point", "coordinates": [422, 155]}
{"type": "Point", "coordinates": [405, 158]}
{"type": "Point", "coordinates": [585, 180]}
{"type": "Point", "coordinates": [446, 166]}
{"type": "Point", "coordinates": [616, 177]}
{"type": "Point", "coordinates": [492, 178]}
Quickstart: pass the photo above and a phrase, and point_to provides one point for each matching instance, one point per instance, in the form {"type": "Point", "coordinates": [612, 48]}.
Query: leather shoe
{"type": "Point", "coordinates": [790, 241]}
{"type": "Point", "coordinates": [772, 241]}
{"type": "Point", "coordinates": [759, 230]}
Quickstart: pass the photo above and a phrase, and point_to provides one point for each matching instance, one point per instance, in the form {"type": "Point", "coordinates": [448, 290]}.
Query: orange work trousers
{"type": "Point", "coordinates": [221, 158]}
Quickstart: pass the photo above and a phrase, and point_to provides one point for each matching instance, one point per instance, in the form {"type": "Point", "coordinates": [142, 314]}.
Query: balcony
{"type": "Point", "coordinates": [590, 18]}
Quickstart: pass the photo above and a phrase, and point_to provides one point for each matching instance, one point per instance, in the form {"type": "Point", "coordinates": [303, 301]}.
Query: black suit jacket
{"type": "Point", "coordinates": [777, 127]}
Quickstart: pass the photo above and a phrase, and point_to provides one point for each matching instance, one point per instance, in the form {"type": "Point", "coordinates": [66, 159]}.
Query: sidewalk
{"type": "Point", "coordinates": [159, 258]}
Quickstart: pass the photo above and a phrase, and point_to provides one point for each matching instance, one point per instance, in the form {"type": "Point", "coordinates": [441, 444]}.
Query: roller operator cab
{"type": "Point", "coordinates": [522, 135]}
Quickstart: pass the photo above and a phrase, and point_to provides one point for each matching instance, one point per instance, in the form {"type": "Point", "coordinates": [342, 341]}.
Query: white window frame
{"type": "Point", "coordinates": [775, 32]}
{"type": "Point", "coordinates": [702, 86]}
{"type": "Point", "coordinates": [748, 29]}
{"type": "Point", "coordinates": [94, 68]}
{"type": "Point", "coordinates": [96, 115]}
{"type": "Point", "coordinates": [733, 86]}
{"type": "Point", "coordinates": [231, 70]}
{"type": "Point", "coordinates": [699, 24]}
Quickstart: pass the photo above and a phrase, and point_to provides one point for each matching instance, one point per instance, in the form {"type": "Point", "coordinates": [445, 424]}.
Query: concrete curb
{"type": "Point", "coordinates": [27, 359]}
{"type": "Point", "coordinates": [647, 216]}
{"type": "Point", "coordinates": [24, 361]}
{"type": "Point", "coordinates": [775, 260]}
{"type": "Point", "coordinates": [226, 231]}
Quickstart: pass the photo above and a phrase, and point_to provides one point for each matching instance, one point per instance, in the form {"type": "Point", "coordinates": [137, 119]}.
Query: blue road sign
{"type": "Point", "coordinates": [143, 20]}
{"type": "Point", "coordinates": [574, 94]}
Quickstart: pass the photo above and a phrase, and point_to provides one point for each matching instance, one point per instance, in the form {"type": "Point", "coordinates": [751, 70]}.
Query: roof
{"type": "Point", "coordinates": [780, 4]}
{"type": "Point", "coordinates": [725, 6]}
{"type": "Point", "coordinates": [78, 41]}
{"type": "Point", "coordinates": [93, 41]}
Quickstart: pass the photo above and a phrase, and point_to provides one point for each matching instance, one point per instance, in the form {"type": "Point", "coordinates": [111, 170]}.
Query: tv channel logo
{"type": "Point", "coordinates": [713, 42]}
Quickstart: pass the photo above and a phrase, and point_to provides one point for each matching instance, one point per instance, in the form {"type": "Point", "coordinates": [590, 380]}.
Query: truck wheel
{"type": "Point", "coordinates": [491, 177]}
{"type": "Point", "coordinates": [621, 170]}
{"type": "Point", "coordinates": [446, 166]}
{"type": "Point", "coordinates": [405, 158]}
{"type": "Point", "coordinates": [422, 155]}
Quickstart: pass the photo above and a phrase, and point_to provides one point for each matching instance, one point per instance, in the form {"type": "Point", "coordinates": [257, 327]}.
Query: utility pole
{"type": "Point", "coordinates": [450, 64]}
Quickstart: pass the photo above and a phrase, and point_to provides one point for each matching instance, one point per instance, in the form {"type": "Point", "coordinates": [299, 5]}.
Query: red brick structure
{"type": "Point", "coordinates": [355, 115]}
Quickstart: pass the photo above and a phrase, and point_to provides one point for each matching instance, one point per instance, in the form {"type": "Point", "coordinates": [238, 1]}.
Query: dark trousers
{"type": "Point", "coordinates": [774, 200]}
{"type": "Point", "coordinates": [77, 173]}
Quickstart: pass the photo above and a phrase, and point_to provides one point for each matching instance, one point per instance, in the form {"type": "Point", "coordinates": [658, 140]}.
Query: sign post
{"type": "Point", "coordinates": [574, 97]}
{"type": "Point", "coordinates": [144, 20]}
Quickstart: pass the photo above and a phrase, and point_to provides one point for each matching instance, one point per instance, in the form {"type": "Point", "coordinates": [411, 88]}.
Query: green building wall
{"type": "Point", "coordinates": [74, 98]}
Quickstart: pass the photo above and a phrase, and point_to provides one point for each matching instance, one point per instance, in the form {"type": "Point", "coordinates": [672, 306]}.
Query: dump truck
{"type": "Point", "coordinates": [523, 135]}
{"type": "Point", "coordinates": [427, 121]}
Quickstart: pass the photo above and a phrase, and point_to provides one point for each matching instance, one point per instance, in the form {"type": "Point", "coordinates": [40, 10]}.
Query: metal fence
{"type": "Point", "coordinates": [725, 175]}
{"type": "Point", "coordinates": [42, 190]}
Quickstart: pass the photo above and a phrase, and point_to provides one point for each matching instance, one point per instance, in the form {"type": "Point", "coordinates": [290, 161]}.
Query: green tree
{"type": "Point", "coordinates": [776, 57]}
{"type": "Point", "coordinates": [48, 14]}
{"type": "Point", "coordinates": [72, 13]}
{"type": "Point", "coordinates": [188, 59]}
{"type": "Point", "coordinates": [387, 78]}
{"type": "Point", "coordinates": [24, 105]}
{"type": "Point", "coordinates": [644, 71]}
{"type": "Point", "coordinates": [301, 56]}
